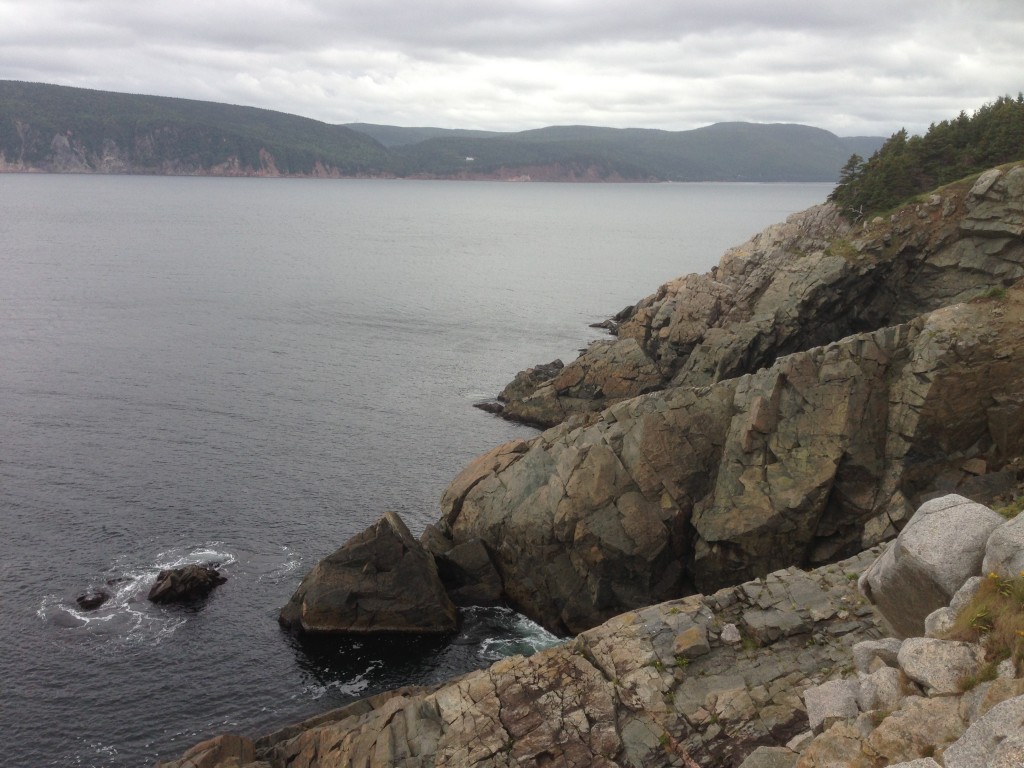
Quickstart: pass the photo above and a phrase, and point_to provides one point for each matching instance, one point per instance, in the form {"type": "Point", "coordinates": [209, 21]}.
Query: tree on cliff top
{"type": "Point", "coordinates": [906, 166]}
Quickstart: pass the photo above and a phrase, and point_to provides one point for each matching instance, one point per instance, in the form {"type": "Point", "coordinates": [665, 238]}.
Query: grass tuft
{"type": "Point", "coordinates": [994, 618]}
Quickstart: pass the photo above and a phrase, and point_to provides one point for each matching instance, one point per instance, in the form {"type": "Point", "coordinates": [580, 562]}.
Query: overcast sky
{"type": "Point", "coordinates": [855, 67]}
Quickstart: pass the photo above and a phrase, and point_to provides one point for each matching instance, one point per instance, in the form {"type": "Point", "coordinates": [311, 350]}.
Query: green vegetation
{"type": "Point", "coordinates": [995, 618]}
{"type": "Point", "coordinates": [1013, 508]}
{"type": "Point", "coordinates": [155, 133]}
{"type": "Point", "coordinates": [126, 133]}
{"type": "Point", "coordinates": [950, 150]}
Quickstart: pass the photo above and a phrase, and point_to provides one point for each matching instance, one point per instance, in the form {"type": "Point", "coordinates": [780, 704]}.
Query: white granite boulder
{"type": "Point", "coordinates": [979, 745]}
{"type": "Point", "coordinates": [941, 547]}
{"type": "Point", "coordinates": [1004, 552]}
{"type": "Point", "coordinates": [939, 665]}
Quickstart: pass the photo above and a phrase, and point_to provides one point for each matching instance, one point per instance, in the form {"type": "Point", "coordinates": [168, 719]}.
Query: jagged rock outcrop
{"type": "Point", "coordinates": [820, 455]}
{"type": "Point", "coordinates": [644, 689]}
{"type": "Point", "coordinates": [809, 281]}
{"type": "Point", "coordinates": [186, 584]}
{"type": "Point", "coordinates": [381, 580]}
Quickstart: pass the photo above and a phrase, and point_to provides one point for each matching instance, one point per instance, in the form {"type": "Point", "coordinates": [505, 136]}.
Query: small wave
{"type": "Point", "coordinates": [292, 562]}
{"type": "Point", "coordinates": [500, 632]}
{"type": "Point", "coordinates": [357, 684]}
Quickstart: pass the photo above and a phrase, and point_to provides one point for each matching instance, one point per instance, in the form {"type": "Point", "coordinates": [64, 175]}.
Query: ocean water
{"type": "Point", "coordinates": [247, 372]}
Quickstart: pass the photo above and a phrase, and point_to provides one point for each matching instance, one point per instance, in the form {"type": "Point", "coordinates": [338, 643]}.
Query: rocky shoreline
{"type": "Point", "coordinates": [769, 425]}
{"type": "Point", "coordinates": [795, 669]}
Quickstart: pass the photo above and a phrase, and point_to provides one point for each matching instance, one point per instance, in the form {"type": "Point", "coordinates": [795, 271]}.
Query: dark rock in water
{"type": "Point", "coordinates": [90, 601]}
{"type": "Point", "coordinates": [183, 585]}
{"type": "Point", "coordinates": [469, 575]}
{"type": "Point", "coordinates": [381, 580]}
{"type": "Point", "coordinates": [491, 406]}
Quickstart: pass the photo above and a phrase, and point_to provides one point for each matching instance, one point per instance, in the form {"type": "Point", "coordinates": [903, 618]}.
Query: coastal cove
{"type": "Point", "coordinates": [249, 372]}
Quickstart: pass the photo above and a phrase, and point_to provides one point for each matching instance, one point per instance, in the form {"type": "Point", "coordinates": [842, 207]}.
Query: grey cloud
{"type": "Point", "coordinates": [865, 67]}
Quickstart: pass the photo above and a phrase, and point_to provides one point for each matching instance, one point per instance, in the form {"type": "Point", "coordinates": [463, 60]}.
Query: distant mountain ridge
{"type": "Point", "coordinates": [50, 128]}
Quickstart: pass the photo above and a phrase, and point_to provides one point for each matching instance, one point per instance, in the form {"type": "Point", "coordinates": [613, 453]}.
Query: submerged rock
{"type": "Point", "coordinates": [184, 585]}
{"type": "Point", "coordinates": [381, 580]}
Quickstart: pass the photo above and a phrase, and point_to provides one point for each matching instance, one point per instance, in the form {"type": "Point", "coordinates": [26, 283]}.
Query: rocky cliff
{"type": "Point", "coordinates": [810, 281]}
{"type": "Point", "coordinates": [789, 410]}
{"type": "Point", "coordinates": [765, 444]}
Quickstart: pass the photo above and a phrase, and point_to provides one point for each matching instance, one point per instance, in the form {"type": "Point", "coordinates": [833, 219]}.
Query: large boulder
{"type": "Point", "coordinates": [186, 584]}
{"type": "Point", "coordinates": [1004, 550]}
{"type": "Point", "coordinates": [381, 580]}
{"type": "Point", "coordinates": [941, 547]}
{"type": "Point", "coordinates": [820, 455]}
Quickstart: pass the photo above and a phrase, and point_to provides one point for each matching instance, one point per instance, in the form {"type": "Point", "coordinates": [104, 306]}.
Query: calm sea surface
{"type": "Point", "coordinates": [247, 372]}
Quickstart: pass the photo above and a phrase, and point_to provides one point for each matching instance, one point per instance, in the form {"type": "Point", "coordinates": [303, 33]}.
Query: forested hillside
{"type": "Point", "coordinates": [54, 128]}
{"type": "Point", "coordinates": [906, 166]}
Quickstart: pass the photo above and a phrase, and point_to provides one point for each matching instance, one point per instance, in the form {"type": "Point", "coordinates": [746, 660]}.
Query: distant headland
{"type": "Point", "coordinates": [57, 129]}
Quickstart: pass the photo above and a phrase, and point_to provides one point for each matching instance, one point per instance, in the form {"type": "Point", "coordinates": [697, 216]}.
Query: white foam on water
{"type": "Point", "coordinates": [357, 684]}
{"type": "Point", "coordinates": [128, 616]}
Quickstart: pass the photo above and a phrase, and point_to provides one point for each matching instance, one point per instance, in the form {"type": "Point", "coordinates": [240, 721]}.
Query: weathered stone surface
{"type": "Point", "coordinates": [921, 762]}
{"type": "Point", "coordinates": [1004, 550]}
{"type": "Point", "coordinates": [939, 665]}
{"type": "Point", "coordinates": [882, 689]}
{"type": "Point", "coordinates": [685, 486]}
{"type": "Point", "coordinates": [941, 547]}
{"type": "Point", "coordinates": [381, 580]}
{"type": "Point", "coordinates": [865, 653]}
{"type": "Point", "coordinates": [226, 751]}
{"type": "Point", "coordinates": [915, 730]}
{"type": "Point", "coordinates": [618, 694]}
{"type": "Point", "coordinates": [770, 757]}
{"type": "Point", "coordinates": [183, 585]}
{"type": "Point", "coordinates": [807, 282]}
{"type": "Point", "coordinates": [831, 701]}
{"type": "Point", "coordinates": [979, 743]}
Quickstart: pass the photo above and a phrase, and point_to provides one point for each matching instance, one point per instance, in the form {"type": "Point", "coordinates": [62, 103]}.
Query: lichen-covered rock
{"type": "Point", "coordinates": [381, 580]}
{"type": "Point", "coordinates": [940, 548]}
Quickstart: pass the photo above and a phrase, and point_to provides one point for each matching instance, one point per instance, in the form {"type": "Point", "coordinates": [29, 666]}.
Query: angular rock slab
{"type": "Point", "coordinates": [381, 580]}
{"type": "Point", "coordinates": [941, 547]}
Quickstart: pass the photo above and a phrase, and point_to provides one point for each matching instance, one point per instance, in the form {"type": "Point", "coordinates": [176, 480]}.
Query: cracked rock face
{"type": "Point", "coordinates": [810, 281]}
{"type": "Point", "coordinates": [820, 455]}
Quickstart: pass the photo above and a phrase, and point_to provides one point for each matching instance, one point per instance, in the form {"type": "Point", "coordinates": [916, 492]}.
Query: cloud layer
{"type": "Point", "coordinates": [868, 67]}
